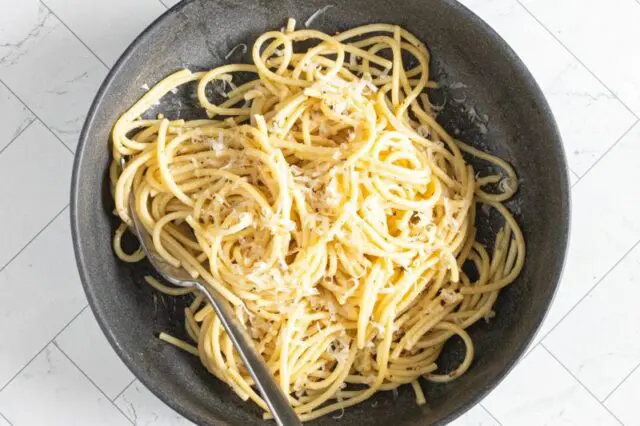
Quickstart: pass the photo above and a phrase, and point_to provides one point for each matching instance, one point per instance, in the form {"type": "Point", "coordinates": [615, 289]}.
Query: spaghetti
{"type": "Point", "coordinates": [331, 210]}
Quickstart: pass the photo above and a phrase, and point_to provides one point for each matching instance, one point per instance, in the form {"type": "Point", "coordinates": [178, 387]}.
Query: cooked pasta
{"type": "Point", "coordinates": [327, 205]}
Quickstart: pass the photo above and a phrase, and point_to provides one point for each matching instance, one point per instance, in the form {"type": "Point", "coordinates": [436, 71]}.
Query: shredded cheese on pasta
{"type": "Point", "coordinates": [325, 202]}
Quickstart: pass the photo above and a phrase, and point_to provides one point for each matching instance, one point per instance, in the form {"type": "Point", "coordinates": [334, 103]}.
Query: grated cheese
{"type": "Point", "coordinates": [240, 46]}
{"type": "Point", "coordinates": [423, 130]}
{"type": "Point", "coordinates": [316, 14]}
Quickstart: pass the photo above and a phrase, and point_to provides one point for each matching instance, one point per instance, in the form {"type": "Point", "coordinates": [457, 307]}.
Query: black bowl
{"type": "Point", "coordinates": [498, 107]}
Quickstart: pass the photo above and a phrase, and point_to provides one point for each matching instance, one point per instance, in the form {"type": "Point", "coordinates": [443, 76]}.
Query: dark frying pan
{"type": "Point", "coordinates": [491, 101]}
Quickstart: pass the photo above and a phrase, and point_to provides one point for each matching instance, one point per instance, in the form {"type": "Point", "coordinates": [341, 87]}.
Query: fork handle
{"type": "Point", "coordinates": [273, 396]}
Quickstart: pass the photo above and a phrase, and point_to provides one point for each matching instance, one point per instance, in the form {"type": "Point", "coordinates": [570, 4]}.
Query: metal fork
{"type": "Point", "coordinates": [274, 398]}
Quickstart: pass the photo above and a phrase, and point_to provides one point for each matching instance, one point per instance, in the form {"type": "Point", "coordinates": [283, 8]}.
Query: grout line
{"type": "Point", "coordinates": [18, 135]}
{"type": "Point", "coordinates": [574, 173]}
{"type": "Point", "coordinates": [43, 348]}
{"type": "Point", "coordinates": [581, 384]}
{"type": "Point", "coordinates": [578, 179]}
{"type": "Point", "coordinates": [34, 237]}
{"type": "Point", "coordinates": [38, 117]}
{"type": "Point", "coordinates": [529, 350]}
{"type": "Point", "coordinates": [621, 383]}
{"type": "Point", "coordinates": [75, 35]}
{"type": "Point", "coordinates": [575, 57]}
{"type": "Point", "coordinates": [91, 381]}
{"type": "Point", "coordinates": [604, 154]}
{"type": "Point", "coordinates": [6, 419]}
{"type": "Point", "coordinates": [23, 367]}
{"type": "Point", "coordinates": [576, 182]}
{"type": "Point", "coordinates": [490, 414]}
{"type": "Point", "coordinates": [123, 390]}
{"type": "Point", "coordinates": [615, 265]}
{"type": "Point", "coordinates": [524, 356]}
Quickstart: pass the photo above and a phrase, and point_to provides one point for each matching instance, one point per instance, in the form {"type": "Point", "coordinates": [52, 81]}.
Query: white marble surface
{"type": "Point", "coordinates": [540, 391]}
{"type": "Point", "coordinates": [84, 342]}
{"type": "Point", "coordinates": [35, 171]}
{"type": "Point", "coordinates": [56, 367]}
{"type": "Point", "coordinates": [123, 20]}
{"type": "Point", "coordinates": [58, 394]}
{"type": "Point", "coordinates": [16, 116]}
{"type": "Point", "coordinates": [624, 400]}
{"type": "Point", "coordinates": [45, 273]}
{"type": "Point", "coordinates": [144, 408]}
{"type": "Point", "coordinates": [46, 66]}
{"type": "Point", "coordinates": [477, 416]}
{"type": "Point", "coordinates": [602, 35]}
